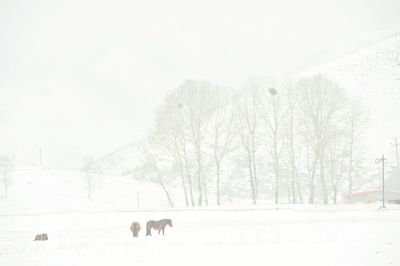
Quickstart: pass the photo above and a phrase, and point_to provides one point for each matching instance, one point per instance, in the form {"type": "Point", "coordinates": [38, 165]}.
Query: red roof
{"type": "Point", "coordinates": [370, 192]}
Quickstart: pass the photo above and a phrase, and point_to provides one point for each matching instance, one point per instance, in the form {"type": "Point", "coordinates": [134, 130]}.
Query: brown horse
{"type": "Point", "coordinates": [157, 225]}
{"type": "Point", "coordinates": [135, 228]}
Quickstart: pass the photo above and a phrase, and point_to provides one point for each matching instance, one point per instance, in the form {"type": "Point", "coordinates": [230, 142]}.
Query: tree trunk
{"type": "Point", "coordinates": [183, 182]}
{"type": "Point", "coordinates": [252, 185]}
{"type": "Point", "coordinates": [160, 179]}
{"type": "Point", "coordinates": [5, 186]}
{"type": "Point", "coordinates": [89, 183]}
{"type": "Point", "coordinates": [205, 189]}
{"type": "Point", "coordinates": [292, 158]}
{"type": "Point", "coordinates": [184, 187]}
{"type": "Point", "coordinates": [179, 161]}
{"type": "Point", "coordinates": [170, 202]}
{"type": "Point", "coordinates": [298, 186]}
{"type": "Point", "coordinates": [323, 181]}
{"type": "Point", "coordinates": [189, 177]}
{"type": "Point", "coordinates": [255, 179]}
{"type": "Point", "coordinates": [293, 191]}
{"type": "Point", "coordinates": [311, 182]}
{"type": "Point", "coordinates": [335, 195]}
{"type": "Point", "coordinates": [218, 182]}
{"type": "Point", "coordinates": [199, 175]}
{"type": "Point", "coordinates": [276, 169]}
{"type": "Point", "coordinates": [350, 192]}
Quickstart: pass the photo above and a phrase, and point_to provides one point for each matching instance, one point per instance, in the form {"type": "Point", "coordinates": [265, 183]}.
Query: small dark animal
{"type": "Point", "coordinates": [157, 225]}
{"type": "Point", "coordinates": [41, 237]}
{"type": "Point", "coordinates": [135, 228]}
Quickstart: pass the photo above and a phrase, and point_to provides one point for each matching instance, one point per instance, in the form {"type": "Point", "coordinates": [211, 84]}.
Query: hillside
{"type": "Point", "coordinates": [372, 75]}
{"type": "Point", "coordinates": [36, 190]}
{"type": "Point", "coordinates": [121, 161]}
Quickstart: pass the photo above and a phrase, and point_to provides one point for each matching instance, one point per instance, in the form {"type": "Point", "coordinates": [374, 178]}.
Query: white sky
{"type": "Point", "coordinates": [84, 77]}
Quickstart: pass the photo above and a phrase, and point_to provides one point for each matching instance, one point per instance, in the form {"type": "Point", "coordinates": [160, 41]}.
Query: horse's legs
{"type": "Point", "coordinates": [163, 230]}
{"type": "Point", "coordinates": [159, 231]}
{"type": "Point", "coordinates": [148, 230]}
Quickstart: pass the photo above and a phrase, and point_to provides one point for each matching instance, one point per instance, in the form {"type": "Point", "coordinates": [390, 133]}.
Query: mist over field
{"type": "Point", "coordinates": [249, 131]}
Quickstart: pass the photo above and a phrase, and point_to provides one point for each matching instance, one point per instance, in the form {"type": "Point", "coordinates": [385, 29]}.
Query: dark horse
{"type": "Point", "coordinates": [157, 225]}
{"type": "Point", "coordinates": [135, 228]}
{"type": "Point", "coordinates": [41, 237]}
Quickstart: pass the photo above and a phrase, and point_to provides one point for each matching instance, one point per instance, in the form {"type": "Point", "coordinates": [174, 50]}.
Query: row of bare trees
{"type": "Point", "coordinates": [283, 140]}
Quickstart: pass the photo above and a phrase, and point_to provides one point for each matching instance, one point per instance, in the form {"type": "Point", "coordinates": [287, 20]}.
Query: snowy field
{"type": "Point", "coordinates": [305, 235]}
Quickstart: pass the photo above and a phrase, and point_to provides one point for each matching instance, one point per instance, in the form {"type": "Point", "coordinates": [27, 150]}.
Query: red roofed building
{"type": "Point", "coordinates": [372, 196]}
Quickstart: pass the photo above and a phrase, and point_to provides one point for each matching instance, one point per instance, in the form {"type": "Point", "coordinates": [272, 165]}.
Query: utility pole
{"type": "Point", "coordinates": [396, 145]}
{"type": "Point", "coordinates": [382, 160]}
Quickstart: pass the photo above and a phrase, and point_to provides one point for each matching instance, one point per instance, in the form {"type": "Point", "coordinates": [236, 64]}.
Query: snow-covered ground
{"type": "Point", "coordinates": [96, 231]}
{"type": "Point", "coordinates": [300, 235]}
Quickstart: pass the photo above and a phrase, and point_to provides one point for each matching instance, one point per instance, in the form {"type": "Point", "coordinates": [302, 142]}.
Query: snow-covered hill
{"type": "Point", "coordinates": [372, 75]}
{"type": "Point", "coordinates": [344, 47]}
{"type": "Point", "coordinates": [36, 190]}
{"type": "Point", "coordinates": [121, 161]}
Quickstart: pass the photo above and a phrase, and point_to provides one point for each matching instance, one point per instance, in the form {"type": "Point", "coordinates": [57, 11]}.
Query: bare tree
{"type": "Point", "coordinates": [249, 115]}
{"type": "Point", "coordinates": [311, 165]}
{"type": "Point", "coordinates": [185, 156]}
{"type": "Point", "coordinates": [273, 115]}
{"type": "Point", "coordinates": [356, 121]}
{"type": "Point", "coordinates": [291, 140]}
{"type": "Point", "coordinates": [336, 162]}
{"type": "Point", "coordinates": [87, 174]}
{"type": "Point", "coordinates": [181, 128]}
{"type": "Point", "coordinates": [170, 136]}
{"type": "Point", "coordinates": [6, 165]}
{"type": "Point", "coordinates": [322, 102]}
{"type": "Point", "coordinates": [222, 131]}
{"type": "Point", "coordinates": [197, 100]}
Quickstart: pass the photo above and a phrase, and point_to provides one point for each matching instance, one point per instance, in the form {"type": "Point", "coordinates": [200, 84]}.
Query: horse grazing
{"type": "Point", "coordinates": [41, 237]}
{"type": "Point", "coordinates": [135, 228]}
{"type": "Point", "coordinates": [157, 225]}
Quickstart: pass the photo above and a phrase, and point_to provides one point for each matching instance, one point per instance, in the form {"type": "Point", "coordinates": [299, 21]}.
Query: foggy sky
{"type": "Point", "coordinates": [85, 77]}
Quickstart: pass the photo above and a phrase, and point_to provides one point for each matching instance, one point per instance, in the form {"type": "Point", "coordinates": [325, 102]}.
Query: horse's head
{"type": "Point", "coordinates": [170, 223]}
